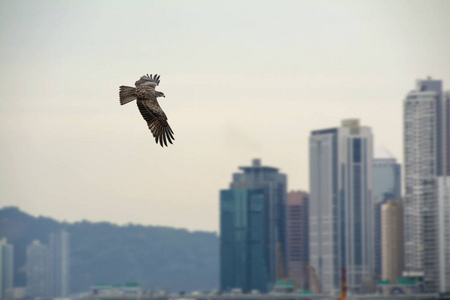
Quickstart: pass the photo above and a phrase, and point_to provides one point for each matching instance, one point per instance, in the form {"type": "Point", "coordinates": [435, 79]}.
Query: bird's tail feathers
{"type": "Point", "coordinates": [127, 94]}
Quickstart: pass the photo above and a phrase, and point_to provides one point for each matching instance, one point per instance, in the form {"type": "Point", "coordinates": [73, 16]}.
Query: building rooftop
{"type": "Point", "coordinates": [256, 164]}
{"type": "Point", "coordinates": [382, 153]}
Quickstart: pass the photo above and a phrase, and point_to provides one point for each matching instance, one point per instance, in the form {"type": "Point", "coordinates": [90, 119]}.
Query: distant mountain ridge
{"type": "Point", "coordinates": [156, 257]}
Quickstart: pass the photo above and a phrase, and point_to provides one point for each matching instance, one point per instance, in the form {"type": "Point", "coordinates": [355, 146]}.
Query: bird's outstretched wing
{"type": "Point", "coordinates": [156, 121]}
{"type": "Point", "coordinates": [150, 80]}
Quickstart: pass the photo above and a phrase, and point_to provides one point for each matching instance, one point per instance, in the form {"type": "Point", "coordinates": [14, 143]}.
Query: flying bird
{"type": "Point", "coordinates": [148, 105]}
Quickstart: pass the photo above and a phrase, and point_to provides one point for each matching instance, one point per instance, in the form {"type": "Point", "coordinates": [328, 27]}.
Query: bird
{"type": "Point", "coordinates": [146, 98]}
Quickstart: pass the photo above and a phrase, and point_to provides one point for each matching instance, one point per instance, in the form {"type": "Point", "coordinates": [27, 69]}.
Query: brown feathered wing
{"type": "Point", "coordinates": [156, 121]}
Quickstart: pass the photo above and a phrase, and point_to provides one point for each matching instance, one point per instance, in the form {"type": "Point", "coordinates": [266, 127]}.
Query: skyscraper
{"type": "Point", "coordinates": [420, 171]}
{"type": "Point", "coordinates": [444, 233]}
{"type": "Point", "coordinates": [244, 256]}
{"type": "Point", "coordinates": [446, 133]}
{"type": "Point", "coordinates": [386, 186]}
{"type": "Point", "coordinates": [6, 267]}
{"type": "Point", "coordinates": [272, 184]}
{"type": "Point", "coordinates": [341, 207]}
{"type": "Point", "coordinates": [386, 176]}
{"type": "Point", "coordinates": [426, 153]}
{"type": "Point", "coordinates": [38, 270]}
{"type": "Point", "coordinates": [444, 203]}
{"type": "Point", "coordinates": [392, 240]}
{"type": "Point", "coordinates": [326, 245]}
{"type": "Point", "coordinates": [297, 237]}
{"type": "Point", "coordinates": [59, 263]}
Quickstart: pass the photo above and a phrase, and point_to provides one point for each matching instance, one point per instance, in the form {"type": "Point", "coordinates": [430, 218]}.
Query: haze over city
{"type": "Point", "coordinates": [242, 80]}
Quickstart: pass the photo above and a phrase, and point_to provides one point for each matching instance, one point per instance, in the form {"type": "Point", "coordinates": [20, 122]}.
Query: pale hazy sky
{"type": "Point", "coordinates": [242, 79]}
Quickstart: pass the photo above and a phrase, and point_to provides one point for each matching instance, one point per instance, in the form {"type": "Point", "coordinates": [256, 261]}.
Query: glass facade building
{"type": "Point", "coordinates": [244, 259]}
{"type": "Point", "coordinates": [386, 176]}
{"type": "Point", "coordinates": [341, 207]}
{"type": "Point", "coordinates": [325, 226]}
{"type": "Point", "coordinates": [261, 180]}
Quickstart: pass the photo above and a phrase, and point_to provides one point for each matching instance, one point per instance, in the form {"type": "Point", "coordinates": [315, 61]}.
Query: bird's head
{"type": "Point", "coordinates": [160, 94]}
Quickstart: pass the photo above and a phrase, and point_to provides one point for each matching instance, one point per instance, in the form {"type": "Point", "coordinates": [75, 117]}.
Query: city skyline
{"type": "Point", "coordinates": [241, 80]}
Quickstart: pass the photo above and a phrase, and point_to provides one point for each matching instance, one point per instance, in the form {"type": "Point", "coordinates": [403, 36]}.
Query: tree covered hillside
{"type": "Point", "coordinates": [156, 257]}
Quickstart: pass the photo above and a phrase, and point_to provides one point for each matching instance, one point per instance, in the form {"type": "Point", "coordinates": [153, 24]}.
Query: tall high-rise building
{"type": "Point", "coordinates": [446, 133]}
{"type": "Point", "coordinates": [386, 176]}
{"type": "Point", "coordinates": [38, 270]}
{"type": "Point", "coordinates": [6, 267]}
{"type": "Point", "coordinates": [341, 206]}
{"type": "Point", "coordinates": [444, 233]}
{"type": "Point", "coordinates": [244, 256]}
{"type": "Point", "coordinates": [297, 238]}
{"type": "Point", "coordinates": [392, 240]}
{"type": "Point", "coordinates": [420, 136]}
{"type": "Point", "coordinates": [386, 186]}
{"type": "Point", "coordinates": [426, 153]}
{"type": "Point", "coordinates": [444, 203]}
{"type": "Point", "coordinates": [273, 186]}
{"type": "Point", "coordinates": [326, 226]}
{"type": "Point", "coordinates": [59, 263]}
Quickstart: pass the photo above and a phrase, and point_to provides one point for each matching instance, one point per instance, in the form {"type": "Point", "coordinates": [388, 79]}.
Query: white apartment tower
{"type": "Point", "coordinates": [420, 172]}
{"type": "Point", "coordinates": [38, 270]}
{"type": "Point", "coordinates": [426, 154]}
{"type": "Point", "coordinates": [444, 202]}
{"type": "Point", "coordinates": [444, 233]}
{"type": "Point", "coordinates": [59, 264]}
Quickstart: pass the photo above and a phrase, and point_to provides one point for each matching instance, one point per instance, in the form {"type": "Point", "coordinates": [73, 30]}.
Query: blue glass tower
{"type": "Point", "coordinates": [244, 259]}
{"type": "Point", "coordinates": [253, 228]}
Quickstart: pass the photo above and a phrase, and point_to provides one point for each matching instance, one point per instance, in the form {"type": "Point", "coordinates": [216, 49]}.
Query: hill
{"type": "Point", "coordinates": [156, 257]}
